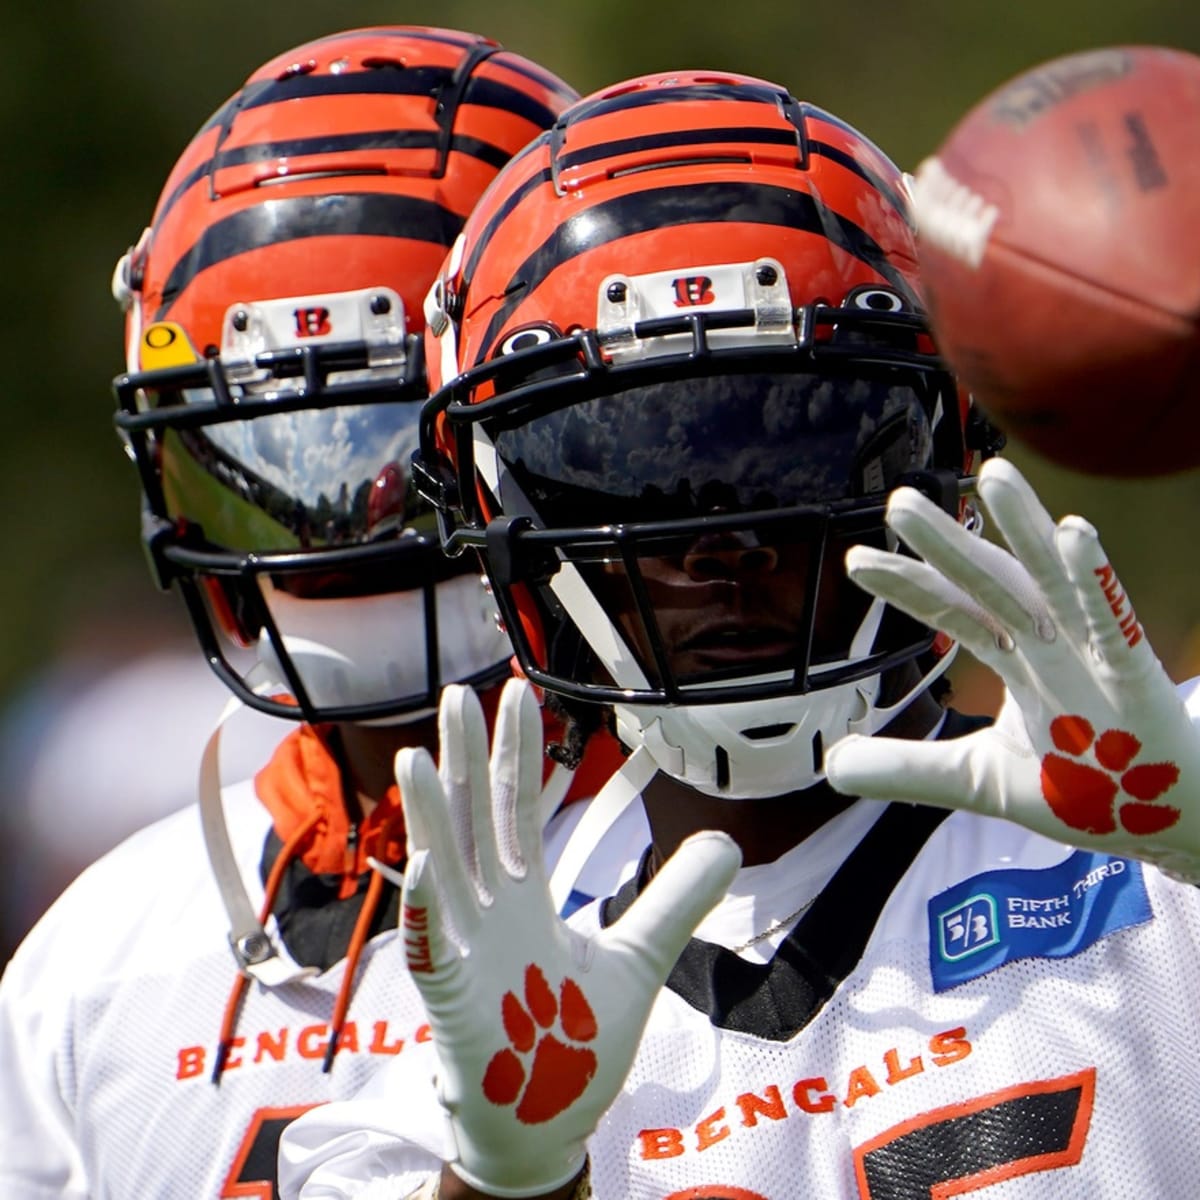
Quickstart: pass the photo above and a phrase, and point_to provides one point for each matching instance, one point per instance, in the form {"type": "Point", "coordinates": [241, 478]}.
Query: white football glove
{"type": "Point", "coordinates": [1093, 745]}
{"type": "Point", "coordinates": [535, 1025]}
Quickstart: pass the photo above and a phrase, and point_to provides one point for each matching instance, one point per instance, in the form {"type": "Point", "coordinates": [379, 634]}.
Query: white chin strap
{"type": "Point", "coordinates": [601, 814]}
{"type": "Point", "coordinates": [260, 954]}
{"type": "Point", "coordinates": [369, 649]}
{"type": "Point", "coordinates": [256, 945]}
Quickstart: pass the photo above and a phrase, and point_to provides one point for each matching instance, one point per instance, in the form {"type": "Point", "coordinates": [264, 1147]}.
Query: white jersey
{"type": "Point", "coordinates": [963, 1006]}
{"type": "Point", "coordinates": [111, 1013]}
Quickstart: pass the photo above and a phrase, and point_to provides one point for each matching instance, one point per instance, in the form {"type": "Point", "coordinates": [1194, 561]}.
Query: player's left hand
{"type": "Point", "coordinates": [1093, 744]}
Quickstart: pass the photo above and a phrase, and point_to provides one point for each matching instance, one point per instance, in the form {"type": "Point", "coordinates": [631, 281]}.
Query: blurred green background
{"type": "Point", "coordinates": [98, 101]}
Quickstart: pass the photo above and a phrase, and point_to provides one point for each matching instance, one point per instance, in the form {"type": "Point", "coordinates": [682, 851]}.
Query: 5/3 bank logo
{"type": "Point", "coordinates": [997, 917]}
{"type": "Point", "coordinates": [968, 927]}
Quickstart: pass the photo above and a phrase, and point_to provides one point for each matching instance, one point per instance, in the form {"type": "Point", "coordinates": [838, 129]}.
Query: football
{"type": "Point", "coordinates": [1058, 236]}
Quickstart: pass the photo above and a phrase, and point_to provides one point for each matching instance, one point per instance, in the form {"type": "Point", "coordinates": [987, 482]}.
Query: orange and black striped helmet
{"type": "Point", "coordinates": [275, 365]}
{"type": "Point", "coordinates": [689, 316]}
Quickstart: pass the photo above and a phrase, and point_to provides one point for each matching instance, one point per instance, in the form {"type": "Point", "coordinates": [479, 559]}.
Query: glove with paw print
{"type": "Point", "coordinates": [1093, 744]}
{"type": "Point", "coordinates": [535, 1025]}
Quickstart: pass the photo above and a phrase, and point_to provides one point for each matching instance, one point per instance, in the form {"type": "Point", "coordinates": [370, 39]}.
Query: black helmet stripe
{"type": "Point", "coordinates": [385, 139]}
{"type": "Point", "coordinates": [407, 81]}
{"type": "Point", "coordinates": [491, 93]}
{"type": "Point", "coordinates": [755, 134]}
{"type": "Point", "coordinates": [531, 71]}
{"type": "Point", "coordinates": [639, 98]}
{"type": "Point", "coordinates": [534, 182]}
{"type": "Point", "coordinates": [362, 214]}
{"type": "Point", "coordinates": [707, 137]}
{"type": "Point", "coordinates": [834, 154]}
{"type": "Point", "coordinates": [665, 207]}
{"type": "Point", "coordinates": [375, 81]}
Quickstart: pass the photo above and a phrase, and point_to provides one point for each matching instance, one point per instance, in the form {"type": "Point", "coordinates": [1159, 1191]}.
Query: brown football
{"type": "Point", "coordinates": [1059, 243]}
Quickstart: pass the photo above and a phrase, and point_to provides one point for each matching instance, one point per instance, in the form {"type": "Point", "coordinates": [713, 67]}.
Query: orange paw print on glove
{"type": "Point", "coordinates": [559, 1072]}
{"type": "Point", "coordinates": [1085, 797]}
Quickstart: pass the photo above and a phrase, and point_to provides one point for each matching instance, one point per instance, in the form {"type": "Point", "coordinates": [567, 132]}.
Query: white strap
{"type": "Point", "coordinates": [555, 791]}
{"type": "Point", "coordinates": [598, 818]}
{"type": "Point", "coordinates": [567, 584]}
{"type": "Point", "coordinates": [256, 953]}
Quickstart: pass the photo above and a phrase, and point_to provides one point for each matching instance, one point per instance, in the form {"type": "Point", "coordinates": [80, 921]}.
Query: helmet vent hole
{"type": "Point", "coordinates": [722, 757]}
{"type": "Point", "coordinates": [818, 749]}
{"type": "Point", "coordinates": [377, 61]}
{"type": "Point", "coordinates": [667, 163]}
{"type": "Point", "coordinates": [296, 68]}
{"type": "Point", "coordinates": [762, 733]}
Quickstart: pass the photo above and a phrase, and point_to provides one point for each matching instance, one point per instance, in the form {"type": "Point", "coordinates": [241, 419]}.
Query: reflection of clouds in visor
{"type": "Point", "coordinates": [773, 439]}
{"type": "Point", "coordinates": [330, 457]}
{"type": "Point", "coordinates": [273, 443]}
{"type": "Point", "coordinates": [321, 453]}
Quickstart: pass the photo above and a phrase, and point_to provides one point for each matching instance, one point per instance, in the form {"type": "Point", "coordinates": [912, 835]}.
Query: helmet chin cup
{"type": "Point", "coordinates": [751, 749]}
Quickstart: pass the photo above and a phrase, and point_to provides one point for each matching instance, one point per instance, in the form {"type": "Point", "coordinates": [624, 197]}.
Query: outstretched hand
{"type": "Point", "coordinates": [1093, 744]}
{"type": "Point", "coordinates": [535, 1025]}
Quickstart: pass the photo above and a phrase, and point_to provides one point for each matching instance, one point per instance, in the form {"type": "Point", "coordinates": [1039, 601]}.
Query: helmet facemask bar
{"type": "Point", "coordinates": [239, 599]}
{"type": "Point", "coordinates": [527, 569]}
{"type": "Point", "coordinates": [345, 615]}
{"type": "Point", "coordinates": [535, 568]}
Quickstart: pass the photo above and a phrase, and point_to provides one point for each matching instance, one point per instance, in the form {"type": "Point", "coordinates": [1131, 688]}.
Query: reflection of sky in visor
{"type": "Point", "coordinates": [730, 442]}
{"type": "Point", "coordinates": [316, 453]}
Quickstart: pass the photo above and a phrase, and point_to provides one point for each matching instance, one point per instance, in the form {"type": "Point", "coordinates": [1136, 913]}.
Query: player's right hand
{"type": "Point", "coordinates": [535, 1025]}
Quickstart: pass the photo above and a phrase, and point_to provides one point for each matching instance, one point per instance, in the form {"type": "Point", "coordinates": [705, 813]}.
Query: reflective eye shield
{"type": "Point", "coordinates": [745, 442]}
{"type": "Point", "coordinates": [298, 379]}
{"type": "Point", "coordinates": [507, 393]}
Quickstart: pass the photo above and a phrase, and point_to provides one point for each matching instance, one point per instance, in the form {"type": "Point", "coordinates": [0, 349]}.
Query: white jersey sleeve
{"type": "Point", "coordinates": [40, 1157]}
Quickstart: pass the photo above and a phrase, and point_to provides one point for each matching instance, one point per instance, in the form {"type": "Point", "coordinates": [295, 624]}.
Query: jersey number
{"type": "Point", "coordinates": [255, 1170]}
{"type": "Point", "coordinates": [964, 1147]}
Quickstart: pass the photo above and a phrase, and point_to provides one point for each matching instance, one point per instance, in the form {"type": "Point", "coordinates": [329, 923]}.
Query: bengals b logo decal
{"type": "Point", "coordinates": [312, 322]}
{"type": "Point", "coordinates": [691, 290]}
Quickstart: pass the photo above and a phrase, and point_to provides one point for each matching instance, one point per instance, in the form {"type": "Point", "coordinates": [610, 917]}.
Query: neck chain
{"type": "Point", "coordinates": [776, 926]}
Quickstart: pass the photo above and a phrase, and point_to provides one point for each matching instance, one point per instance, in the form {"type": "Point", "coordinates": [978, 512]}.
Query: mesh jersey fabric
{"type": "Point", "coordinates": [1046, 1078]}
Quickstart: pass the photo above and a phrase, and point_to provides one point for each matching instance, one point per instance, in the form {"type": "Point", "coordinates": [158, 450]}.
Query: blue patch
{"type": "Point", "coordinates": [1000, 916]}
{"type": "Point", "coordinates": [574, 901]}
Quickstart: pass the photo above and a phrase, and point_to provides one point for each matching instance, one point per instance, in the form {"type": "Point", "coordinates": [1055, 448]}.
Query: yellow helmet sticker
{"type": "Point", "coordinates": [164, 344]}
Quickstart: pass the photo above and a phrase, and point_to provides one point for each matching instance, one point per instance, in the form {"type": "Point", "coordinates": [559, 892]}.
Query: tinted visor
{"type": "Point", "coordinates": [298, 480]}
{"type": "Point", "coordinates": [729, 443]}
